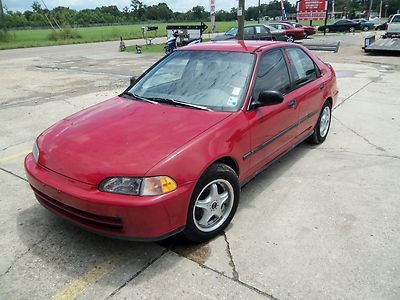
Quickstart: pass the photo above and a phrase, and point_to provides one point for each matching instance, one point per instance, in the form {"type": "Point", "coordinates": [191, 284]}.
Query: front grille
{"type": "Point", "coordinates": [79, 216]}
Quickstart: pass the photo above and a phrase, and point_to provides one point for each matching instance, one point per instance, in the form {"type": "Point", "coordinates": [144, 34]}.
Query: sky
{"type": "Point", "coordinates": [175, 5]}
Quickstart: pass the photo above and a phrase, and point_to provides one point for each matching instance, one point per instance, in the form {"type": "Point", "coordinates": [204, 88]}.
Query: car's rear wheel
{"type": "Point", "coordinates": [323, 125]}
{"type": "Point", "coordinates": [290, 38]}
{"type": "Point", "coordinates": [305, 35]}
{"type": "Point", "coordinates": [352, 29]}
{"type": "Point", "coordinates": [213, 203]}
{"type": "Point", "coordinates": [365, 28]}
{"type": "Point", "coordinates": [327, 29]}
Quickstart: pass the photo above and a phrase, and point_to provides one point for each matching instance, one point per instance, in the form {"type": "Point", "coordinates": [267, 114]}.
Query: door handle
{"type": "Point", "coordinates": [293, 103]}
{"type": "Point", "coordinates": [322, 86]}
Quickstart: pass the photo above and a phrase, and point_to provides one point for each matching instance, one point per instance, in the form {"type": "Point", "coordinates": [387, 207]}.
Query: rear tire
{"type": "Point", "coordinates": [352, 29]}
{"type": "Point", "coordinates": [213, 203]}
{"type": "Point", "coordinates": [365, 28]}
{"type": "Point", "coordinates": [323, 125]}
{"type": "Point", "coordinates": [326, 29]}
{"type": "Point", "coordinates": [290, 38]}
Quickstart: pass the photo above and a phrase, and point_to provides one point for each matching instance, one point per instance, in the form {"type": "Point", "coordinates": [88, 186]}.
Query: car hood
{"type": "Point", "coordinates": [120, 137]}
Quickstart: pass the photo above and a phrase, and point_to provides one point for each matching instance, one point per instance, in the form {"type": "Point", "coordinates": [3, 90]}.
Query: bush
{"type": "Point", "coordinates": [6, 36]}
{"type": "Point", "coordinates": [64, 34]}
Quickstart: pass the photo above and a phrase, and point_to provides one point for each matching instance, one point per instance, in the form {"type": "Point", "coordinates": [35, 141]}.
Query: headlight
{"type": "Point", "coordinates": [35, 152]}
{"type": "Point", "coordinates": [149, 186]}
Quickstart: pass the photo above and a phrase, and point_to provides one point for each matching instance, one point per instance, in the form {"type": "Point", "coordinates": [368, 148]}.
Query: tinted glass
{"type": "Point", "coordinates": [215, 79]}
{"type": "Point", "coordinates": [272, 74]}
{"type": "Point", "coordinates": [249, 30]}
{"type": "Point", "coordinates": [396, 19]}
{"type": "Point", "coordinates": [260, 29]}
{"type": "Point", "coordinates": [303, 67]}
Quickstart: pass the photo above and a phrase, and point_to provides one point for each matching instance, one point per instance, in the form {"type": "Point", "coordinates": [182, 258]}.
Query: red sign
{"type": "Point", "coordinates": [311, 9]}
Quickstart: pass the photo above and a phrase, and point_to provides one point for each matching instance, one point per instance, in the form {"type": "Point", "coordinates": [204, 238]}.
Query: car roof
{"type": "Point", "coordinates": [233, 45]}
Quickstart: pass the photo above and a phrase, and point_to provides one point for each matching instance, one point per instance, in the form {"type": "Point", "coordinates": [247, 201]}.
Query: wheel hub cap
{"type": "Point", "coordinates": [213, 205]}
{"type": "Point", "coordinates": [325, 121]}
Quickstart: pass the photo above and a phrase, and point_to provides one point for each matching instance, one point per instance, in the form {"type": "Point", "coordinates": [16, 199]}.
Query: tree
{"type": "Point", "coordinates": [199, 12]}
{"type": "Point", "coordinates": [37, 7]}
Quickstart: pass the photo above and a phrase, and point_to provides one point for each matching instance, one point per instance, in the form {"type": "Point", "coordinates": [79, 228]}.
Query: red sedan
{"type": "Point", "coordinates": [309, 30]}
{"type": "Point", "coordinates": [290, 31]}
{"type": "Point", "coordinates": [171, 153]}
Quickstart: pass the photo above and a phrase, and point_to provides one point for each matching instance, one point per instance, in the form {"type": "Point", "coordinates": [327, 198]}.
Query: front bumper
{"type": "Point", "coordinates": [120, 216]}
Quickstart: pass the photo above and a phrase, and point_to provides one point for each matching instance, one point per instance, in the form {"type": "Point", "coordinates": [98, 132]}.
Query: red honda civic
{"type": "Point", "coordinates": [170, 154]}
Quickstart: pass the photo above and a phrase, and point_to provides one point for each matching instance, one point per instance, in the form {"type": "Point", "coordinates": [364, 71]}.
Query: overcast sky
{"type": "Point", "coordinates": [175, 5]}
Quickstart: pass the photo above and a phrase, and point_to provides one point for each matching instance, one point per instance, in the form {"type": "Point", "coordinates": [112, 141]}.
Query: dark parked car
{"type": "Point", "coordinates": [365, 24]}
{"type": "Point", "coordinates": [254, 32]}
{"type": "Point", "coordinates": [341, 25]}
{"type": "Point", "coordinates": [170, 153]}
{"type": "Point", "coordinates": [382, 26]}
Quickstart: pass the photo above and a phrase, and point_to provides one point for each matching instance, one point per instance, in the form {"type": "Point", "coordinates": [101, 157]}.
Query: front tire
{"type": "Point", "coordinates": [365, 28]}
{"type": "Point", "coordinates": [352, 29]}
{"type": "Point", "coordinates": [213, 203]}
{"type": "Point", "coordinates": [321, 130]}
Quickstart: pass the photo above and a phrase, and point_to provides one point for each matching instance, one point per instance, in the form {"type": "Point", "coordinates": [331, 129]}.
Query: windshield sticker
{"type": "Point", "coordinates": [236, 91]}
{"type": "Point", "coordinates": [232, 101]}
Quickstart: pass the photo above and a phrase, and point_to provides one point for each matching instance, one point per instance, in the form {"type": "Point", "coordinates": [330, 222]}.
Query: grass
{"type": "Point", "coordinates": [46, 37]}
{"type": "Point", "coordinates": [36, 38]}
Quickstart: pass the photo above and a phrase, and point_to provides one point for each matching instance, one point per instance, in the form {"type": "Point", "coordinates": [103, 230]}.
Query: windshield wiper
{"type": "Point", "coordinates": [139, 97]}
{"type": "Point", "coordinates": [176, 102]}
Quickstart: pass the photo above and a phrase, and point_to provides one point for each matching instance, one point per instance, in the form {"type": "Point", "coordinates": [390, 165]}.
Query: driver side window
{"type": "Point", "coordinates": [272, 74]}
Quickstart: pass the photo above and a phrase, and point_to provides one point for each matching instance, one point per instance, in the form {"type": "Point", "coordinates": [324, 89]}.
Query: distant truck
{"type": "Point", "coordinates": [393, 26]}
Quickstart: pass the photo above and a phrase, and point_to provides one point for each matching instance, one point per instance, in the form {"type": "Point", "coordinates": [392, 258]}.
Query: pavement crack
{"type": "Point", "coordinates": [362, 137]}
{"type": "Point", "coordinates": [356, 92]}
{"type": "Point", "coordinates": [137, 273]}
{"type": "Point", "coordinates": [24, 253]}
{"type": "Point", "coordinates": [237, 280]}
{"type": "Point", "coordinates": [235, 273]}
{"type": "Point", "coordinates": [13, 174]}
{"type": "Point", "coordinates": [358, 153]}
{"type": "Point", "coordinates": [72, 104]}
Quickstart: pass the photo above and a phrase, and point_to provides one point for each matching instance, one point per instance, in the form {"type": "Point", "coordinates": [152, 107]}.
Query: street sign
{"type": "Point", "coordinates": [312, 10]}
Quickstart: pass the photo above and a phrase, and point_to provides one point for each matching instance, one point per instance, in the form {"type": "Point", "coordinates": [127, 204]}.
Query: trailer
{"type": "Point", "coordinates": [371, 44]}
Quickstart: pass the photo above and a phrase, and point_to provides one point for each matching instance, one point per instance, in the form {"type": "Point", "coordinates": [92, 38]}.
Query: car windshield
{"type": "Point", "coordinates": [232, 31]}
{"type": "Point", "coordinates": [216, 80]}
{"type": "Point", "coordinates": [271, 28]}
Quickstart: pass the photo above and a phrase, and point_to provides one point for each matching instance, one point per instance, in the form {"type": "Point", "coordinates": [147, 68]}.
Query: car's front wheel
{"type": "Point", "coordinates": [323, 125]}
{"type": "Point", "coordinates": [365, 28]}
{"type": "Point", "coordinates": [213, 203]}
{"type": "Point", "coordinates": [352, 29]}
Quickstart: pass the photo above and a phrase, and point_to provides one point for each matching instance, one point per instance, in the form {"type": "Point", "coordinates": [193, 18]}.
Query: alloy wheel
{"type": "Point", "coordinates": [213, 205]}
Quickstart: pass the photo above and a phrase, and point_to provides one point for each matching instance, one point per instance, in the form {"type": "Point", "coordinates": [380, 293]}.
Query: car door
{"type": "Point", "coordinates": [308, 85]}
{"type": "Point", "coordinates": [249, 33]}
{"type": "Point", "coordinates": [262, 33]}
{"type": "Point", "coordinates": [338, 26]}
{"type": "Point", "coordinates": [271, 126]}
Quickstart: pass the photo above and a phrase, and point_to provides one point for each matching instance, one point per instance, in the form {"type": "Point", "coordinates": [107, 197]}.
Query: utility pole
{"type": "Point", "coordinates": [1, 10]}
{"type": "Point", "coordinates": [2, 26]}
{"type": "Point", "coordinates": [259, 11]}
{"type": "Point", "coordinates": [370, 8]}
{"type": "Point", "coordinates": [240, 15]}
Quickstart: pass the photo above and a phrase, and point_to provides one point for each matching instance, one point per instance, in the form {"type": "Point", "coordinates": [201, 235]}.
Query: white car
{"type": "Point", "coordinates": [393, 26]}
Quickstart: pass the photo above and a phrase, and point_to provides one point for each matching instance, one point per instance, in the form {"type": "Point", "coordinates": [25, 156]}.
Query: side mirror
{"type": "Point", "coordinates": [133, 79]}
{"type": "Point", "coordinates": [267, 98]}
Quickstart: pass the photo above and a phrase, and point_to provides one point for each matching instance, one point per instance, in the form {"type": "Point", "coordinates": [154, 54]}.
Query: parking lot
{"type": "Point", "coordinates": [321, 223]}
